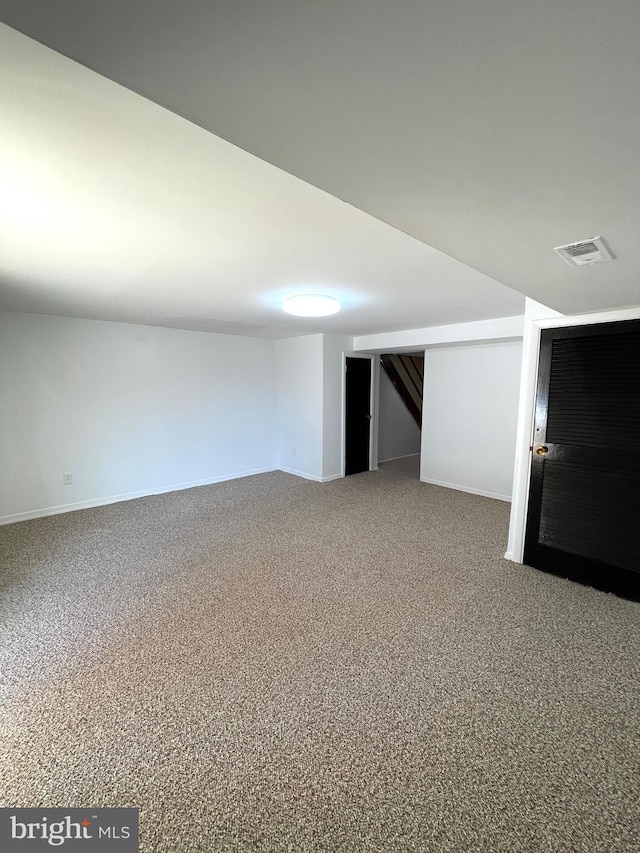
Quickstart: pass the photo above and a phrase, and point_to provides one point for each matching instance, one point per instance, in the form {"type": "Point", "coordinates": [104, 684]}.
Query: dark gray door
{"type": "Point", "coordinates": [584, 499]}
{"type": "Point", "coordinates": [358, 415]}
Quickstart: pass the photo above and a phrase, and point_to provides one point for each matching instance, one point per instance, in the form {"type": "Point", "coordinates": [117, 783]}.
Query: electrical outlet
{"type": "Point", "coordinates": [67, 479]}
{"type": "Point", "coordinates": [293, 451]}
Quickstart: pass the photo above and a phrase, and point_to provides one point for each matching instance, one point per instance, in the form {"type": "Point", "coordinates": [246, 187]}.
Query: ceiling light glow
{"type": "Point", "coordinates": [311, 305]}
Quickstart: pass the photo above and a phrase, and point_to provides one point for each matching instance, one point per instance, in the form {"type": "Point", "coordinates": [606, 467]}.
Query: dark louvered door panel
{"type": "Point", "coordinates": [592, 512]}
{"type": "Point", "coordinates": [594, 392]}
{"type": "Point", "coordinates": [584, 499]}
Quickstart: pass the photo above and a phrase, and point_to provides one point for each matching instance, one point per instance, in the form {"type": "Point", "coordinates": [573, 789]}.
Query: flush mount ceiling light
{"type": "Point", "coordinates": [311, 305]}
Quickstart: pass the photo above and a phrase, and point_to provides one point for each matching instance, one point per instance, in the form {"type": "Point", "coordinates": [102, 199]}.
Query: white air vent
{"type": "Point", "coordinates": [584, 253]}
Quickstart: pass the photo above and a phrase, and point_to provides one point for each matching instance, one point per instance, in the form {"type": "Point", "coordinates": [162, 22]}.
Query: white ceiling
{"type": "Point", "coordinates": [493, 131]}
{"type": "Point", "coordinates": [114, 208]}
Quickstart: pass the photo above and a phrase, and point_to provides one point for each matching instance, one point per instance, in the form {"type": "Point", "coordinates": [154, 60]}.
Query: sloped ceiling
{"type": "Point", "coordinates": [491, 131]}
{"type": "Point", "coordinates": [114, 208]}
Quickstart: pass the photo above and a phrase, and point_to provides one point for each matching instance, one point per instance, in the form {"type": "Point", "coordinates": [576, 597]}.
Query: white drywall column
{"type": "Point", "coordinates": [299, 405]}
{"type": "Point", "coordinates": [310, 383]}
{"type": "Point", "coordinates": [127, 410]}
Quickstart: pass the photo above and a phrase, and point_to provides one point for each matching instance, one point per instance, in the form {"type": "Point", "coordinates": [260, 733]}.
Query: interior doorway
{"type": "Point", "coordinates": [400, 413]}
{"type": "Point", "coordinates": [358, 415]}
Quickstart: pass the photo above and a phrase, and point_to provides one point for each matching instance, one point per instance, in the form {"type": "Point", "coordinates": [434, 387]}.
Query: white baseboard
{"type": "Point", "coordinates": [312, 477]}
{"type": "Point", "coordinates": [471, 491]}
{"type": "Point", "coordinates": [302, 474]}
{"type": "Point", "coordinates": [128, 496]}
{"type": "Point", "coordinates": [508, 555]}
{"type": "Point", "coordinates": [393, 458]}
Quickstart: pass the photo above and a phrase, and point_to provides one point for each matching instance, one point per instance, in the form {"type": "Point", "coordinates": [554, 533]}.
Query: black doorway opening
{"type": "Point", "coordinates": [357, 415]}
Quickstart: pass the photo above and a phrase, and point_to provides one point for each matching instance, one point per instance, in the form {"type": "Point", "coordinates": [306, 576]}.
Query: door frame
{"type": "Point", "coordinates": [373, 403]}
{"type": "Point", "coordinates": [526, 413]}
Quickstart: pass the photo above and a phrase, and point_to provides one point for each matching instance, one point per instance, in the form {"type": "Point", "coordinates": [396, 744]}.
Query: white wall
{"type": "Point", "coordinates": [398, 433]}
{"type": "Point", "coordinates": [127, 409]}
{"type": "Point", "coordinates": [132, 410]}
{"type": "Point", "coordinates": [470, 414]}
{"type": "Point", "coordinates": [299, 405]}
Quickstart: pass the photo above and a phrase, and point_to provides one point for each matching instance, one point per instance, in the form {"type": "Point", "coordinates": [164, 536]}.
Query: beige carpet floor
{"type": "Point", "coordinates": [271, 664]}
{"type": "Point", "coordinates": [407, 466]}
